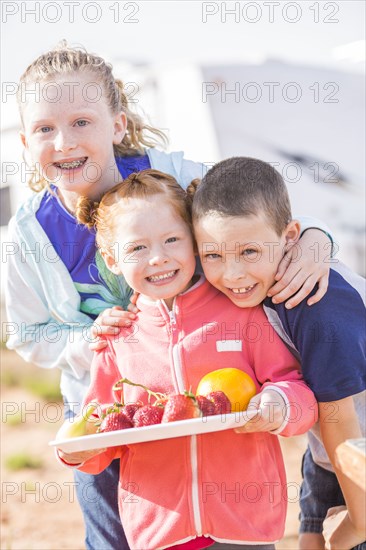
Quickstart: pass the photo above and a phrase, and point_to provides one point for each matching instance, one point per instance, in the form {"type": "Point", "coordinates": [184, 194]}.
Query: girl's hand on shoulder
{"type": "Point", "coordinates": [304, 264]}
{"type": "Point", "coordinates": [78, 458]}
{"type": "Point", "coordinates": [110, 321]}
{"type": "Point", "coordinates": [271, 409]}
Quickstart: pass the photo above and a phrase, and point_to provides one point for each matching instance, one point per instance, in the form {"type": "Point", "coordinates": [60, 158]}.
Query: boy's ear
{"type": "Point", "coordinates": [110, 262]}
{"type": "Point", "coordinates": [24, 141]}
{"type": "Point", "coordinates": [195, 247]}
{"type": "Point", "coordinates": [120, 127]}
{"type": "Point", "coordinates": [292, 231]}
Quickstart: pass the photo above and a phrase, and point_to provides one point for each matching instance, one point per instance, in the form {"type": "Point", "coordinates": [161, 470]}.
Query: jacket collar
{"type": "Point", "coordinates": [194, 298]}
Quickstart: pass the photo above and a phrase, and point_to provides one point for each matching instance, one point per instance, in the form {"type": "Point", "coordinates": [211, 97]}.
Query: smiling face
{"type": "Point", "coordinates": [69, 132]}
{"type": "Point", "coordinates": [153, 248]}
{"type": "Point", "coordinates": [240, 255]}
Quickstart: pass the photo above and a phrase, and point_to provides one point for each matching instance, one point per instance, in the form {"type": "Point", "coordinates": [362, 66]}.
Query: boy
{"type": "Point", "coordinates": [243, 226]}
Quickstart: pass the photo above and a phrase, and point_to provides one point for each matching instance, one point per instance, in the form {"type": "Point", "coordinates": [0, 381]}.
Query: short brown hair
{"type": "Point", "coordinates": [243, 186]}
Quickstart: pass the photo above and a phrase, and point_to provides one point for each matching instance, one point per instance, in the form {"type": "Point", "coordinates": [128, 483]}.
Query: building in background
{"type": "Point", "coordinates": [307, 121]}
{"type": "Point", "coordinates": [310, 123]}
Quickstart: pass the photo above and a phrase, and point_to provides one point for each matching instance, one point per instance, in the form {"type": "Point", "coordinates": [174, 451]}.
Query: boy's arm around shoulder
{"type": "Point", "coordinates": [277, 369]}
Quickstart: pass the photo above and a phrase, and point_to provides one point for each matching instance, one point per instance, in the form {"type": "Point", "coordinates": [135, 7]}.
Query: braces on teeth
{"type": "Point", "coordinates": [73, 164]}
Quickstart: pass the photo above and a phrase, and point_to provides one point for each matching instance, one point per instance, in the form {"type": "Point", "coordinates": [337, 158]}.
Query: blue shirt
{"type": "Point", "coordinates": [329, 338]}
{"type": "Point", "coordinates": [76, 248]}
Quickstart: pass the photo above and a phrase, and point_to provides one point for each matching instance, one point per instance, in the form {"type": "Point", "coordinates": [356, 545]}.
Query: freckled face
{"type": "Point", "coordinates": [154, 248]}
{"type": "Point", "coordinates": [69, 132]}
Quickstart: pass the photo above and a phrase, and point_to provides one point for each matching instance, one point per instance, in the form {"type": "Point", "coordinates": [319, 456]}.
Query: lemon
{"type": "Point", "coordinates": [237, 385]}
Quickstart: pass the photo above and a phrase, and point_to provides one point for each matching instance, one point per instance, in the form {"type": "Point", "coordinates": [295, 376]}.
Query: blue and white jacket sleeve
{"type": "Point", "coordinates": [43, 322]}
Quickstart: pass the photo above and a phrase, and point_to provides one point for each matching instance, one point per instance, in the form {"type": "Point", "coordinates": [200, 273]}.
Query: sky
{"type": "Point", "coordinates": [303, 32]}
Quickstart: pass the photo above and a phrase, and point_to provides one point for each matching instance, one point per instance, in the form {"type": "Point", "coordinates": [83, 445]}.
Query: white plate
{"type": "Point", "coordinates": [156, 432]}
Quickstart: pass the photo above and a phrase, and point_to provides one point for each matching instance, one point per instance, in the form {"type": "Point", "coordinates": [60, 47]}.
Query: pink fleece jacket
{"type": "Point", "coordinates": [225, 486]}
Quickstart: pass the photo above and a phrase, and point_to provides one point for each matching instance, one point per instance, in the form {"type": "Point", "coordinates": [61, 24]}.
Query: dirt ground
{"type": "Point", "coordinates": [39, 510]}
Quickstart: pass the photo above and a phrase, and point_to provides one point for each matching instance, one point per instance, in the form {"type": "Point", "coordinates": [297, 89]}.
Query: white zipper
{"type": "Point", "coordinates": [195, 496]}
{"type": "Point", "coordinates": [171, 312]}
{"type": "Point", "coordinates": [193, 439]}
{"type": "Point", "coordinates": [172, 317]}
{"type": "Point", "coordinates": [178, 371]}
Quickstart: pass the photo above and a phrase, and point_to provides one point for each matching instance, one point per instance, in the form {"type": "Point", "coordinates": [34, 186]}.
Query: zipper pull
{"type": "Point", "coordinates": [172, 317]}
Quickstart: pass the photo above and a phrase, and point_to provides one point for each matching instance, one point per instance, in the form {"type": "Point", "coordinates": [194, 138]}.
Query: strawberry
{"type": "Point", "coordinates": [181, 407]}
{"type": "Point", "coordinates": [130, 409]}
{"type": "Point", "coordinates": [115, 419]}
{"type": "Point", "coordinates": [206, 405]}
{"type": "Point", "coordinates": [147, 415]}
{"type": "Point", "coordinates": [221, 402]}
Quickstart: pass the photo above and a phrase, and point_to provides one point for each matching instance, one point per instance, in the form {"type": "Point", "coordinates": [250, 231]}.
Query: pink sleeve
{"type": "Point", "coordinates": [104, 374]}
{"type": "Point", "coordinates": [100, 462]}
{"type": "Point", "coordinates": [276, 366]}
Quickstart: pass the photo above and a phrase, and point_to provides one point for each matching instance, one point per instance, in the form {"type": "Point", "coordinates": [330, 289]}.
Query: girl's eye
{"type": "Point", "coordinates": [45, 129]}
{"type": "Point", "coordinates": [212, 256]}
{"type": "Point", "coordinates": [137, 248]}
{"type": "Point", "coordinates": [172, 240]}
{"type": "Point", "coordinates": [249, 251]}
{"type": "Point", "coordinates": [81, 122]}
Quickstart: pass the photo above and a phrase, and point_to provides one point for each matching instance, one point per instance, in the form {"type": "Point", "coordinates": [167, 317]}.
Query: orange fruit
{"type": "Point", "coordinates": [236, 384]}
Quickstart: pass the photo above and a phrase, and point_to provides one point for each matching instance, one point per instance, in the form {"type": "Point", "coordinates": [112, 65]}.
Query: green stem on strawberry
{"type": "Point", "coordinates": [158, 396]}
{"type": "Point", "coordinates": [189, 393]}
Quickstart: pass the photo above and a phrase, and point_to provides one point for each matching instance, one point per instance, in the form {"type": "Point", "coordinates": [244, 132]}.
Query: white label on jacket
{"type": "Point", "coordinates": [229, 345]}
